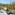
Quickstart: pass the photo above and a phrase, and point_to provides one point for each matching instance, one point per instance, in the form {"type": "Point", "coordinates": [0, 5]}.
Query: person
{"type": "Point", "coordinates": [7, 8]}
{"type": "Point", "coordinates": [0, 9]}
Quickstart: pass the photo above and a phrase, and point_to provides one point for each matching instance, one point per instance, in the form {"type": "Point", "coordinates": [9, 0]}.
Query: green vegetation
{"type": "Point", "coordinates": [9, 5]}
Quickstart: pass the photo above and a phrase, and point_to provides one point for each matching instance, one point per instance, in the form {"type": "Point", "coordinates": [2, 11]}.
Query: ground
{"type": "Point", "coordinates": [3, 13]}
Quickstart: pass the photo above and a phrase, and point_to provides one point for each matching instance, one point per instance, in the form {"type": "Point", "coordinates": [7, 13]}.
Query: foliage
{"type": "Point", "coordinates": [9, 5]}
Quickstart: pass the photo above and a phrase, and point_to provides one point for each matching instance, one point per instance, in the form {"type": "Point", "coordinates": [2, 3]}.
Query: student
{"type": "Point", "coordinates": [7, 8]}
{"type": "Point", "coordinates": [0, 9]}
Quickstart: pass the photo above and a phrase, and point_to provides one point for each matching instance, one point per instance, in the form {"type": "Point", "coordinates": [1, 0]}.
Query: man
{"type": "Point", "coordinates": [0, 8]}
{"type": "Point", "coordinates": [7, 8]}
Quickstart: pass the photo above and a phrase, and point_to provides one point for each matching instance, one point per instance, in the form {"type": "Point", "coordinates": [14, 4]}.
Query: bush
{"type": "Point", "coordinates": [14, 12]}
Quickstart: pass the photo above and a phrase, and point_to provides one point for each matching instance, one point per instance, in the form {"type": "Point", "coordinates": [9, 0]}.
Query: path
{"type": "Point", "coordinates": [3, 13]}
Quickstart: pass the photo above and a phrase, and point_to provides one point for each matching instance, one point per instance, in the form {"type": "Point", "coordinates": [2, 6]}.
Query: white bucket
{"type": "Point", "coordinates": [11, 14]}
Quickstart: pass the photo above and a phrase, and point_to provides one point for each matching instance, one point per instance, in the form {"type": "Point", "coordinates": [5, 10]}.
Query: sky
{"type": "Point", "coordinates": [6, 1]}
